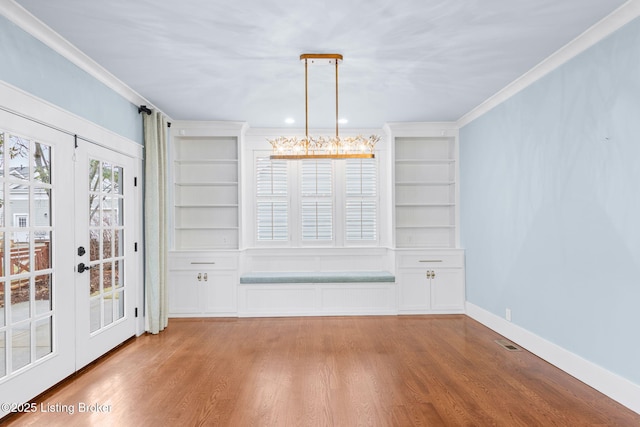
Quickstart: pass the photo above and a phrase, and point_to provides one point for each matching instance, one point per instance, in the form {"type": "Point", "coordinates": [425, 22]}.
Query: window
{"type": "Point", "coordinates": [21, 220]}
{"type": "Point", "coordinates": [271, 206]}
{"type": "Point", "coordinates": [361, 201]}
{"type": "Point", "coordinates": [317, 200]}
{"type": "Point", "coordinates": [323, 202]}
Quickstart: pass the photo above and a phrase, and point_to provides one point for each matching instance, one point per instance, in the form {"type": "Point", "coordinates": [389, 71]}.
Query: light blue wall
{"type": "Point", "coordinates": [550, 205]}
{"type": "Point", "coordinates": [30, 65]}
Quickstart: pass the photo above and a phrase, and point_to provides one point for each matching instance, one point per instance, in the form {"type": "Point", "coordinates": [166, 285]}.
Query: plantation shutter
{"type": "Point", "coordinates": [361, 199]}
{"type": "Point", "coordinates": [272, 208]}
{"type": "Point", "coordinates": [317, 200]}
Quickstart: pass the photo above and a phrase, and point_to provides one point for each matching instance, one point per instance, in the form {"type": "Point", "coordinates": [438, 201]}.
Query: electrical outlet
{"type": "Point", "coordinates": [507, 314]}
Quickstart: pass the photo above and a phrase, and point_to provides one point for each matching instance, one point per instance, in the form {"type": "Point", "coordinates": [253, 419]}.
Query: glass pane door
{"type": "Point", "coordinates": [36, 286]}
{"type": "Point", "coordinates": [103, 213]}
{"type": "Point", "coordinates": [26, 308]}
{"type": "Point", "coordinates": [106, 237]}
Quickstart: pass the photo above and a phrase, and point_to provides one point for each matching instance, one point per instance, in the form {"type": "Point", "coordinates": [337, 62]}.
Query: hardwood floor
{"type": "Point", "coordinates": [325, 371]}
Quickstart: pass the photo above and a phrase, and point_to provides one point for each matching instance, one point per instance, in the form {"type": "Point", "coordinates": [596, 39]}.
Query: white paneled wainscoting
{"type": "Point", "coordinates": [316, 299]}
{"type": "Point", "coordinates": [314, 282]}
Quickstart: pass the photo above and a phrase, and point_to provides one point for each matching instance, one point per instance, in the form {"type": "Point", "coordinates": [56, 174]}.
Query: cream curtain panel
{"type": "Point", "coordinates": [155, 220]}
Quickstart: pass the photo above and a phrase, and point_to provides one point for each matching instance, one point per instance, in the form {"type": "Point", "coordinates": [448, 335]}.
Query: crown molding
{"type": "Point", "coordinates": [605, 27]}
{"type": "Point", "coordinates": [199, 128]}
{"type": "Point", "coordinates": [38, 29]}
{"type": "Point", "coordinates": [416, 129]}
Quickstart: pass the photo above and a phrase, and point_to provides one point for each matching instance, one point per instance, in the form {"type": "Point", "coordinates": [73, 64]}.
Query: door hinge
{"type": "Point", "coordinates": [136, 312]}
{"type": "Point", "coordinates": [135, 247]}
{"type": "Point", "coordinates": [135, 181]}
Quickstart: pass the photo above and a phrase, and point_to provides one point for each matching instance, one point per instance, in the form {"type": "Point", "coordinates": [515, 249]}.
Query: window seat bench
{"type": "Point", "coordinates": [314, 293]}
{"type": "Point", "coordinates": [317, 277]}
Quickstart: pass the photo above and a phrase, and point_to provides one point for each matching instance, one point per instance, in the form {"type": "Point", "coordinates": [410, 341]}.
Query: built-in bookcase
{"type": "Point", "coordinates": [425, 192]}
{"type": "Point", "coordinates": [206, 193]}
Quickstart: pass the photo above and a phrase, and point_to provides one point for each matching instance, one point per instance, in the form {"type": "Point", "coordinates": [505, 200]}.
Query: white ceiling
{"type": "Point", "coordinates": [404, 60]}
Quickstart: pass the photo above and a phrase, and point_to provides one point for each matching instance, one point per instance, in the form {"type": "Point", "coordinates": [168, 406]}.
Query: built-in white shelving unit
{"type": "Point", "coordinates": [206, 189]}
{"type": "Point", "coordinates": [203, 264]}
{"type": "Point", "coordinates": [429, 263]}
{"type": "Point", "coordinates": [425, 192]}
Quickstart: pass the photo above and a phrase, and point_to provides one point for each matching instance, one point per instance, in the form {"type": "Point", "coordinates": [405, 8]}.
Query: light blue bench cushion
{"type": "Point", "coordinates": [318, 277]}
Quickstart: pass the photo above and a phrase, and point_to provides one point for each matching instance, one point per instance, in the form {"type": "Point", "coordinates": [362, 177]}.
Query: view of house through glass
{"type": "Point", "coordinates": [26, 269]}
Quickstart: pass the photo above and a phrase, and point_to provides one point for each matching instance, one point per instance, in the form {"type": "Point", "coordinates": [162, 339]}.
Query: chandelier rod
{"type": "Point", "coordinates": [306, 98]}
{"type": "Point", "coordinates": [337, 99]}
{"type": "Point", "coordinates": [336, 59]}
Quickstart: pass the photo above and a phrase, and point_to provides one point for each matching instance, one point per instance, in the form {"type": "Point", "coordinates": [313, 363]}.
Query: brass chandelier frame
{"type": "Point", "coordinates": [322, 147]}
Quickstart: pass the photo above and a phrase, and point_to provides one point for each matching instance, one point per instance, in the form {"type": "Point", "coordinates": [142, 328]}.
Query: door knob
{"type": "Point", "coordinates": [82, 267]}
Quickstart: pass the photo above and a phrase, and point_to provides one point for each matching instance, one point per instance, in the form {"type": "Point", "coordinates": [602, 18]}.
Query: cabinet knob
{"type": "Point", "coordinates": [206, 278]}
{"type": "Point", "coordinates": [199, 277]}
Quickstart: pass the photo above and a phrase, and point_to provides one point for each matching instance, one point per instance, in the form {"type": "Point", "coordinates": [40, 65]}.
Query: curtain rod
{"type": "Point", "coordinates": [145, 109]}
{"type": "Point", "coordinates": [50, 126]}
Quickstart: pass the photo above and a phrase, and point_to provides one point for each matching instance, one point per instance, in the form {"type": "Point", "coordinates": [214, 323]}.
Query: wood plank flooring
{"type": "Point", "coordinates": [325, 371]}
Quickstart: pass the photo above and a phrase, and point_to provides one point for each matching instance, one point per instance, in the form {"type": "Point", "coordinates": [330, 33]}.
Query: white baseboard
{"type": "Point", "coordinates": [612, 385]}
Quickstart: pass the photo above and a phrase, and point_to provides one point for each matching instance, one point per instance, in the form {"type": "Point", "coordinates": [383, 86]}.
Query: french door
{"type": "Point", "coordinates": [37, 320]}
{"type": "Point", "coordinates": [68, 275]}
{"type": "Point", "coordinates": [104, 211]}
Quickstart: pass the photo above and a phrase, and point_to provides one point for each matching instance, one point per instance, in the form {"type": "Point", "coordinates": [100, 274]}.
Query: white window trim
{"type": "Point", "coordinates": [339, 214]}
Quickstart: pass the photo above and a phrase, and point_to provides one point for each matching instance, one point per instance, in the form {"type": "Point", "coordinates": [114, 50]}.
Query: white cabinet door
{"type": "Point", "coordinates": [219, 292]}
{"type": "Point", "coordinates": [184, 293]}
{"type": "Point", "coordinates": [447, 290]}
{"type": "Point", "coordinates": [202, 292]}
{"type": "Point", "coordinates": [414, 288]}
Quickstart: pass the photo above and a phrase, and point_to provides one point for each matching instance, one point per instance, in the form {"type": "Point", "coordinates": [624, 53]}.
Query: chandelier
{"type": "Point", "coordinates": [322, 147]}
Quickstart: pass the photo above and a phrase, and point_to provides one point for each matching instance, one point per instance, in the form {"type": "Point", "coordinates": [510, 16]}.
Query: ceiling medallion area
{"type": "Point", "coordinates": [322, 147]}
